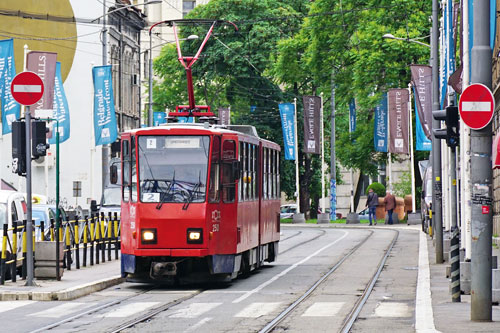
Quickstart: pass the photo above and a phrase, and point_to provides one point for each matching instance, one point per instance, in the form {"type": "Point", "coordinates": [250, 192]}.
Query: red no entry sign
{"type": "Point", "coordinates": [476, 106]}
{"type": "Point", "coordinates": [27, 88]}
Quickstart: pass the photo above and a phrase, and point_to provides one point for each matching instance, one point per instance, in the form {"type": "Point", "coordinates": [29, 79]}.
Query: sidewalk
{"type": "Point", "coordinates": [449, 316]}
{"type": "Point", "coordinates": [75, 283]}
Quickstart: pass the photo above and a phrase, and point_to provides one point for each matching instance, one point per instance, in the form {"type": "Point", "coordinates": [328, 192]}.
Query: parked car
{"type": "Point", "coordinates": [426, 203]}
{"type": "Point", "coordinates": [111, 201]}
{"type": "Point", "coordinates": [45, 213]}
{"type": "Point", "coordinates": [363, 215]}
{"type": "Point", "coordinates": [287, 211]}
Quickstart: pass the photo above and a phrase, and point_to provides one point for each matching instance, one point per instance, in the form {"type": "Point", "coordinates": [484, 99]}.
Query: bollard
{"type": "Point", "coordinates": [3, 268]}
{"type": "Point", "coordinates": [68, 246]}
{"type": "Point", "coordinates": [24, 249]}
{"type": "Point", "coordinates": [42, 230]}
{"type": "Point", "coordinates": [77, 244]}
{"type": "Point", "coordinates": [109, 226]}
{"type": "Point", "coordinates": [52, 238]}
{"type": "Point", "coordinates": [103, 239]}
{"type": "Point", "coordinates": [115, 229]}
{"type": "Point", "coordinates": [14, 249]}
{"type": "Point", "coordinates": [85, 225]}
{"type": "Point", "coordinates": [91, 254]}
{"type": "Point", "coordinates": [97, 239]}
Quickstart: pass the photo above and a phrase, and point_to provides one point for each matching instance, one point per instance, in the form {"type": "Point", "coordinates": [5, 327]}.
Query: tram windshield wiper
{"type": "Point", "coordinates": [164, 195]}
{"type": "Point", "coordinates": [192, 193]}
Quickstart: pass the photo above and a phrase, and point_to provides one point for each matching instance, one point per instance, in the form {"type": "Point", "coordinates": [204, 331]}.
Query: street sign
{"type": "Point", "coordinates": [476, 106]}
{"type": "Point", "coordinates": [27, 88]}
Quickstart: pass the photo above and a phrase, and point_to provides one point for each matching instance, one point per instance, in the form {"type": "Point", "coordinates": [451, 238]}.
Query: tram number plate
{"type": "Point", "coordinates": [215, 227]}
{"type": "Point", "coordinates": [151, 197]}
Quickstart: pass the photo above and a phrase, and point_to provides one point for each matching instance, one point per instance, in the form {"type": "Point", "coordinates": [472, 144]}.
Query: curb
{"type": "Point", "coordinates": [62, 295]}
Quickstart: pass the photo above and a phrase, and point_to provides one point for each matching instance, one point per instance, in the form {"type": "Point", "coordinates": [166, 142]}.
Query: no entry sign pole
{"type": "Point", "coordinates": [27, 89]}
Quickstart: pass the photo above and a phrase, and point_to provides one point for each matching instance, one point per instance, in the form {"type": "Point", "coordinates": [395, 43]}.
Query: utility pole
{"type": "Point", "coordinates": [333, 171]}
{"type": "Point", "coordinates": [437, 202]}
{"type": "Point", "coordinates": [104, 148]}
{"type": "Point", "coordinates": [481, 178]}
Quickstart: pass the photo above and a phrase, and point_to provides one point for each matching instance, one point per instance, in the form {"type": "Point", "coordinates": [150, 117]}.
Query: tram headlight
{"type": "Point", "coordinates": [148, 236]}
{"type": "Point", "coordinates": [195, 236]}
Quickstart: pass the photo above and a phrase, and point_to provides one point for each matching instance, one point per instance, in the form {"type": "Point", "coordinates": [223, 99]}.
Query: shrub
{"type": "Point", "coordinates": [377, 188]}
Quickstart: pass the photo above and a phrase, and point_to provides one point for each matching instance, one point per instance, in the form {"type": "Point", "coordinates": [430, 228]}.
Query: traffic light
{"type": "Point", "coordinates": [19, 147]}
{"type": "Point", "coordinates": [39, 139]}
{"type": "Point", "coordinates": [451, 132]}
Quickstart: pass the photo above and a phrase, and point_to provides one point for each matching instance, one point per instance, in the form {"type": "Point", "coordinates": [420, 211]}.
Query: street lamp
{"type": "Point", "coordinates": [410, 40]}
{"type": "Point", "coordinates": [150, 88]}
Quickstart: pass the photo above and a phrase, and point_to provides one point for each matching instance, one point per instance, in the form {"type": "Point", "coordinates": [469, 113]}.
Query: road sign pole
{"type": "Point", "coordinates": [29, 221]}
{"type": "Point", "coordinates": [481, 178]}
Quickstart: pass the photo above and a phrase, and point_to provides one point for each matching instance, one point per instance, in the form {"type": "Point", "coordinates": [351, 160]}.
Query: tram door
{"type": "Point", "coordinates": [229, 174]}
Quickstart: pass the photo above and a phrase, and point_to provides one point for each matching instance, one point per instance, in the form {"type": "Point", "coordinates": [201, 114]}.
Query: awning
{"type": "Point", "coordinates": [495, 152]}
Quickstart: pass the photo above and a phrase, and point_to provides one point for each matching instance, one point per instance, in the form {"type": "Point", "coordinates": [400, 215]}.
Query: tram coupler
{"type": "Point", "coordinates": [159, 269]}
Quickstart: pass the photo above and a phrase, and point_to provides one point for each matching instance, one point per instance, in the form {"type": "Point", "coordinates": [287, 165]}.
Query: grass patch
{"type": "Point", "coordinates": [338, 221]}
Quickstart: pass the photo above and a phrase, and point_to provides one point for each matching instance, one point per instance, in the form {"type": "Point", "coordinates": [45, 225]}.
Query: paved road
{"type": "Point", "coordinates": [248, 304]}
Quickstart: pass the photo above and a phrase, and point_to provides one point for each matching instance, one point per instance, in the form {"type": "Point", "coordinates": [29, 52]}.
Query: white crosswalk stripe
{"type": "Point", "coordinates": [61, 310]}
{"type": "Point", "coordinates": [256, 310]}
{"type": "Point", "coordinates": [129, 309]}
{"type": "Point", "coordinates": [11, 305]}
{"type": "Point", "coordinates": [194, 310]}
{"type": "Point", "coordinates": [323, 309]}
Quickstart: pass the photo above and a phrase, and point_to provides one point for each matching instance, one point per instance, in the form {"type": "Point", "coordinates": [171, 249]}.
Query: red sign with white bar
{"type": "Point", "coordinates": [27, 88]}
{"type": "Point", "coordinates": [476, 106]}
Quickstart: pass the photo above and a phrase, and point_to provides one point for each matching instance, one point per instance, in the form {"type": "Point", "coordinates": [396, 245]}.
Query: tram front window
{"type": "Point", "coordinates": [173, 168]}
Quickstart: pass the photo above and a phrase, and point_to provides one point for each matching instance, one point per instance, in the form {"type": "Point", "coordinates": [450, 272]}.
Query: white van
{"type": "Point", "coordinates": [12, 208]}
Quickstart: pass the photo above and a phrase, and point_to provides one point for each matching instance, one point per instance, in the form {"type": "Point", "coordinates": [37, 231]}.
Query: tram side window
{"type": "Point", "coordinates": [134, 172]}
{"type": "Point", "coordinates": [126, 170]}
{"type": "Point", "coordinates": [214, 189]}
{"type": "Point", "coordinates": [252, 173]}
{"type": "Point", "coordinates": [275, 174]}
{"type": "Point", "coordinates": [240, 185]}
{"type": "Point", "coordinates": [245, 171]}
{"type": "Point", "coordinates": [278, 173]}
{"type": "Point", "coordinates": [228, 180]}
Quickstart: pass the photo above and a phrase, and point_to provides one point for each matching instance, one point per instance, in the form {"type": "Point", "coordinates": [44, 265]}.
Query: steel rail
{"type": "Point", "coordinates": [353, 315]}
{"type": "Point", "coordinates": [278, 319]}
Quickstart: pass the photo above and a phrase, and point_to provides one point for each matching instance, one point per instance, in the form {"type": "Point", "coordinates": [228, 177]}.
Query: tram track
{"type": "Point", "coordinates": [323, 232]}
{"type": "Point", "coordinates": [353, 314]}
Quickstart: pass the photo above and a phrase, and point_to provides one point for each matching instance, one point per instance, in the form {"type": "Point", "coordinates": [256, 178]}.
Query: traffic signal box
{"type": "Point", "coordinates": [451, 132]}
{"type": "Point", "coordinates": [38, 139]}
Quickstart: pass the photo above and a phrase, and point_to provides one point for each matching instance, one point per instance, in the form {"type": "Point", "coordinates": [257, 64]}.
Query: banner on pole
{"type": "Point", "coordinates": [352, 115]}
{"type": "Point", "coordinates": [11, 110]}
{"type": "Point", "coordinates": [398, 121]}
{"type": "Point", "coordinates": [61, 109]}
{"type": "Point", "coordinates": [43, 64]}
{"type": "Point", "coordinates": [421, 77]}
{"type": "Point", "coordinates": [380, 125]}
{"type": "Point", "coordinates": [312, 110]}
{"type": "Point", "coordinates": [423, 143]}
{"type": "Point", "coordinates": [105, 128]}
{"type": "Point", "coordinates": [287, 113]}
{"type": "Point", "coordinates": [224, 116]}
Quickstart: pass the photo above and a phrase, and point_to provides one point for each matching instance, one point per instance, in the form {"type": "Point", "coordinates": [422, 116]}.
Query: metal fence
{"type": "Point", "coordinates": [87, 241]}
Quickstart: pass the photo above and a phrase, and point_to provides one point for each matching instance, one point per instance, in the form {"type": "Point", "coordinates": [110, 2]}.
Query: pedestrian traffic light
{"type": "Point", "coordinates": [19, 147]}
{"type": "Point", "coordinates": [39, 139]}
{"type": "Point", "coordinates": [451, 132]}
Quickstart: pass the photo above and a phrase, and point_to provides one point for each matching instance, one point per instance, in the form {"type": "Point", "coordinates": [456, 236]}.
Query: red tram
{"type": "Point", "coordinates": [199, 201]}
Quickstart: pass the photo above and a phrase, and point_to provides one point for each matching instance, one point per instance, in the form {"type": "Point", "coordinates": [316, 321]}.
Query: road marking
{"type": "Point", "coordinates": [283, 273]}
{"type": "Point", "coordinates": [194, 310]}
{"type": "Point", "coordinates": [129, 309]}
{"type": "Point", "coordinates": [323, 309]}
{"type": "Point", "coordinates": [61, 310]}
{"type": "Point", "coordinates": [198, 324]}
{"type": "Point", "coordinates": [11, 305]}
{"type": "Point", "coordinates": [256, 310]}
{"type": "Point", "coordinates": [392, 309]}
{"type": "Point", "coordinates": [424, 316]}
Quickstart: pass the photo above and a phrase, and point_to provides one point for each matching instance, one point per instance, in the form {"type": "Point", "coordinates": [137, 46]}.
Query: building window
{"type": "Point", "coordinates": [187, 6]}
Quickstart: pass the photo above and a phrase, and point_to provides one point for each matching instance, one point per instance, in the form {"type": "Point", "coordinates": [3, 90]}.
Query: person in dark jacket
{"type": "Point", "coordinates": [372, 203]}
{"type": "Point", "coordinates": [390, 204]}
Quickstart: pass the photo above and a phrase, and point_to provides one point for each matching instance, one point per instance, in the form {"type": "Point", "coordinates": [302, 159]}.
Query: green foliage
{"type": "Point", "coordinates": [377, 188]}
{"type": "Point", "coordinates": [403, 186]}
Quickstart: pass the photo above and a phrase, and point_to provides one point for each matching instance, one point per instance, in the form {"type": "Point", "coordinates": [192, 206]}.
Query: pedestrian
{"type": "Point", "coordinates": [390, 204]}
{"type": "Point", "coordinates": [371, 204]}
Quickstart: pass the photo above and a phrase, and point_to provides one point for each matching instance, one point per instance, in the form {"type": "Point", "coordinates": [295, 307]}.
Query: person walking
{"type": "Point", "coordinates": [371, 204]}
{"type": "Point", "coordinates": [390, 204]}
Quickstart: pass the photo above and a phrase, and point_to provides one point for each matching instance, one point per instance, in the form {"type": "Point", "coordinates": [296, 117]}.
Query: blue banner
{"type": "Point", "coordinates": [61, 110]}
{"type": "Point", "coordinates": [380, 125]}
{"type": "Point", "coordinates": [11, 110]}
{"type": "Point", "coordinates": [352, 115]}
{"type": "Point", "coordinates": [159, 118]}
{"type": "Point", "coordinates": [105, 129]}
{"type": "Point", "coordinates": [423, 143]}
{"type": "Point", "coordinates": [253, 108]}
{"type": "Point", "coordinates": [287, 113]}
